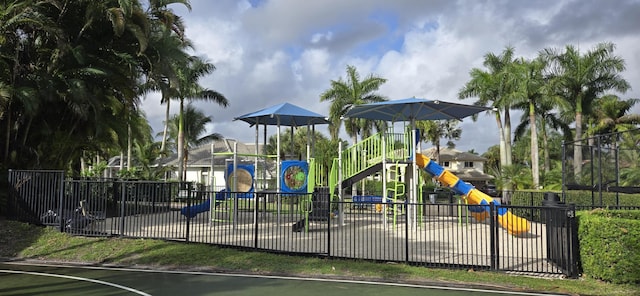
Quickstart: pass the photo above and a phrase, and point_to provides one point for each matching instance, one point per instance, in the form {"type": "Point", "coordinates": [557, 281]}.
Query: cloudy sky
{"type": "Point", "coordinates": [271, 52]}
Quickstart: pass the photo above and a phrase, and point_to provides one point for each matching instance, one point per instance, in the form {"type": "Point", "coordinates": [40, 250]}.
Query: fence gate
{"type": "Point", "coordinates": [562, 234]}
{"type": "Point", "coordinates": [35, 196]}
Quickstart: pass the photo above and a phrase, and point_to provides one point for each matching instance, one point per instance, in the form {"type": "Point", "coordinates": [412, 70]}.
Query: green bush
{"type": "Point", "coordinates": [577, 197]}
{"type": "Point", "coordinates": [528, 197]}
{"type": "Point", "coordinates": [588, 198]}
{"type": "Point", "coordinates": [610, 245]}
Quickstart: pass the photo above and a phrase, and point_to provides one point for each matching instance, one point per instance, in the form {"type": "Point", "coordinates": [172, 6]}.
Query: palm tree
{"type": "Point", "coordinates": [493, 157]}
{"type": "Point", "coordinates": [434, 130]}
{"type": "Point", "coordinates": [529, 94]}
{"type": "Point", "coordinates": [548, 123]}
{"type": "Point", "coordinates": [189, 89]}
{"type": "Point", "coordinates": [160, 12]}
{"type": "Point", "coordinates": [612, 115]}
{"type": "Point", "coordinates": [75, 71]}
{"type": "Point", "coordinates": [629, 159]}
{"type": "Point", "coordinates": [169, 53]}
{"type": "Point", "coordinates": [344, 94]}
{"type": "Point", "coordinates": [170, 47]}
{"type": "Point", "coordinates": [580, 79]}
{"type": "Point", "coordinates": [495, 87]}
{"type": "Point", "coordinates": [21, 22]}
{"type": "Point", "coordinates": [189, 125]}
{"type": "Point", "coordinates": [146, 154]}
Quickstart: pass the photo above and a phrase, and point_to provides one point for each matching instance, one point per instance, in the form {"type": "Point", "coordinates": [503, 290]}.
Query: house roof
{"type": "Point", "coordinates": [472, 175]}
{"type": "Point", "coordinates": [200, 156]}
{"type": "Point", "coordinates": [450, 154]}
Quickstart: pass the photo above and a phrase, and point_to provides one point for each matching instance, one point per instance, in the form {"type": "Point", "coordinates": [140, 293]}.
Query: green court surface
{"type": "Point", "coordinates": [36, 279]}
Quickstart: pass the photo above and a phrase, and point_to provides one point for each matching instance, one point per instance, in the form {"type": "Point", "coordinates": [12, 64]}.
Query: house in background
{"type": "Point", "coordinates": [205, 169]}
{"type": "Point", "coordinates": [467, 166]}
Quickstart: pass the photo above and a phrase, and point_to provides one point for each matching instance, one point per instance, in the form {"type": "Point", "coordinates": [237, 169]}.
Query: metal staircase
{"type": "Point", "coordinates": [366, 158]}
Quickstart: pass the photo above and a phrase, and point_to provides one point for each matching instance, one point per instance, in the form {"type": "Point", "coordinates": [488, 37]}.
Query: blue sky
{"type": "Point", "coordinates": [270, 52]}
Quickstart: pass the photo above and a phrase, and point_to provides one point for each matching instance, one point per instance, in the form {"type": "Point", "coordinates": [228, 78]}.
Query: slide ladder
{"type": "Point", "coordinates": [395, 191]}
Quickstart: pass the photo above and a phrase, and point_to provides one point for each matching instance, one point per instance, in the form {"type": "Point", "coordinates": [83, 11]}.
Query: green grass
{"type": "Point", "coordinates": [22, 241]}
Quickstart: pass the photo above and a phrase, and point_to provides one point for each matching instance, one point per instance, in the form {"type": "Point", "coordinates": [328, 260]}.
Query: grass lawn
{"type": "Point", "coordinates": [23, 241]}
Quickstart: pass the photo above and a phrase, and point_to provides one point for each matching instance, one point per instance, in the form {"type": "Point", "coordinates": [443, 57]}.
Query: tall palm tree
{"type": "Point", "coordinates": [580, 79]}
{"type": "Point", "coordinates": [529, 94]}
{"type": "Point", "coordinates": [547, 121]}
{"type": "Point", "coordinates": [170, 50]}
{"type": "Point", "coordinates": [189, 127]}
{"type": "Point", "coordinates": [160, 12]}
{"type": "Point", "coordinates": [495, 87]}
{"type": "Point", "coordinates": [344, 94]}
{"type": "Point", "coordinates": [190, 89]}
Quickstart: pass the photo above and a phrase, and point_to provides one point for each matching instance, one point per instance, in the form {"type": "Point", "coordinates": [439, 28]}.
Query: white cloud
{"type": "Point", "coordinates": [289, 50]}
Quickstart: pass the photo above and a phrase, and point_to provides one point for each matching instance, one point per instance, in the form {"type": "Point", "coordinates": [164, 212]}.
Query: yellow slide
{"type": "Point", "coordinates": [479, 200]}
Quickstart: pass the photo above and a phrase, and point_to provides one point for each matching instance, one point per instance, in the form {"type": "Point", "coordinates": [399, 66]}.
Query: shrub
{"type": "Point", "coordinates": [610, 245]}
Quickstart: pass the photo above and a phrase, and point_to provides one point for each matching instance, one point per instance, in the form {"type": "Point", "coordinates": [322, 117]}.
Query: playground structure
{"type": "Point", "coordinates": [295, 179]}
{"type": "Point", "coordinates": [394, 156]}
{"type": "Point", "coordinates": [374, 155]}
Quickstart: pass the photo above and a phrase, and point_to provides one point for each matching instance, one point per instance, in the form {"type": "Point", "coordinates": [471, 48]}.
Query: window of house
{"type": "Point", "coordinates": [445, 164]}
{"type": "Point", "coordinates": [468, 164]}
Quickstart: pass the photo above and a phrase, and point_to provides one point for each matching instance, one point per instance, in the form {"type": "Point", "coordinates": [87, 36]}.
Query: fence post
{"type": "Point", "coordinates": [492, 236]}
{"type": "Point", "coordinates": [574, 249]}
{"type": "Point", "coordinates": [406, 237]}
{"type": "Point", "coordinates": [123, 213]}
{"type": "Point", "coordinates": [189, 192]}
{"type": "Point", "coordinates": [329, 204]}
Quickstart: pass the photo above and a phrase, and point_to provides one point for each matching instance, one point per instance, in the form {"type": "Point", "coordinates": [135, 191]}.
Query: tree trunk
{"type": "Point", "coordinates": [577, 148]}
{"type": "Point", "coordinates": [121, 166]}
{"type": "Point", "coordinates": [181, 142]}
{"type": "Point", "coordinates": [507, 136]}
{"type": "Point", "coordinates": [501, 141]}
{"type": "Point", "coordinates": [129, 146]}
{"type": "Point", "coordinates": [535, 167]}
{"type": "Point", "coordinates": [545, 149]}
{"type": "Point", "coordinates": [166, 127]}
{"type": "Point", "coordinates": [7, 137]}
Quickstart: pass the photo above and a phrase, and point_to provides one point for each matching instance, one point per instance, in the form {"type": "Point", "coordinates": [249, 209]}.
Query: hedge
{"type": "Point", "coordinates": [610, 245]}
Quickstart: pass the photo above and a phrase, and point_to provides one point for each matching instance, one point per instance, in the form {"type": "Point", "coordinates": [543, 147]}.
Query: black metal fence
{"type": "Point", "coordinates": [441, 234]}
{"type": "Point", "coordinates": [604, 165]}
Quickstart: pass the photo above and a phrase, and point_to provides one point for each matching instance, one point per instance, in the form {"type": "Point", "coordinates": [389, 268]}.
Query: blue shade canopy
{"type": "Point", "coordinates": [413, 109]}
{"type": "Point", "coordinates": [283, 114]}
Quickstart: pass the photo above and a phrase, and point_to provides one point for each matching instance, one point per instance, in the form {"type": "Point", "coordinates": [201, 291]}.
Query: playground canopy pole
{"type": "Point", "coordinates": [384, 178]}
{"type": "Point", "coordinates": [264, 169]}
{"type": "Point", "coordinates": [212, 182]}
{"type": "Point", "coordinates": [257, 150]}
{"type": "Point", "coordinates": [278, 201]}
{"type": "Point", "coordinates": [340, 196]}
{"type": "Point", "coordinates": [411, 213]}
{"type": "Point", "coordinates": [235, 183]}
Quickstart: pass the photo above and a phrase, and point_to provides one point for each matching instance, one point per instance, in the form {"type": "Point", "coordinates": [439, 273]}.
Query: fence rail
{"type": "Point", "coordinates": [444, 235]}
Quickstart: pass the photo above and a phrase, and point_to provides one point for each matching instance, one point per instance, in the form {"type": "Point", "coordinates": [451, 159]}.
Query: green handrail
{"type": "Point", "coordinates": [368, 153]}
